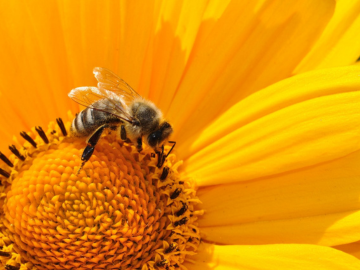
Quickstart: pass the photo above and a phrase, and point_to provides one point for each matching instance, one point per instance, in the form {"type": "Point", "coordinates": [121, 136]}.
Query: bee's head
{"type": "Point", "coordinates": [159, 135]}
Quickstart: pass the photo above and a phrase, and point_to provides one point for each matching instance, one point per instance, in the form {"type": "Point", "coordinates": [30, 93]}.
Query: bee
{"type": "Point", "coordinates": [114, 105]}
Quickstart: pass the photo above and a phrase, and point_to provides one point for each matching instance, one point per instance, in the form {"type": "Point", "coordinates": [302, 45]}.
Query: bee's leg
{"type": "Point", "coordinates": [158, 153]}
{"type": "Point", "coordinates": [123, 133]}
{"type": "Point", "coordinates": [162, 156]}
{"type": "Point", "coordinates": [91, 143]}
{"type": "Point", "coordinates": [139, 144]}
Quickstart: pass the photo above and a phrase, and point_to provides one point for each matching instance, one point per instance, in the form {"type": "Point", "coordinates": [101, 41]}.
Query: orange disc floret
{"type": "Point", "coordinates": [119, 212]}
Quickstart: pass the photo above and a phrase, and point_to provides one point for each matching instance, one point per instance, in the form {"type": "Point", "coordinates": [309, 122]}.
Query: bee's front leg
{"type": "Point", "coordinates": [91, 143]}
{"type": "Point", "coordinates": [139, 144]}
{"type": "Point", "coordinates": [161, 157]}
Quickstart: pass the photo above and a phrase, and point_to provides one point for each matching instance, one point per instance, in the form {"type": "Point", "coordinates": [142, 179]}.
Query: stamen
{"type": "Point", "coordinates": [170, 248]}
{"type": "Point", "coordinates": [182, 210]}
{"type": "Point", "coordinates": [5, 254]}
{"type": "Point", "coordinates": [61, 125]}
{"type": "Point", "coordinates": [175, 194]}
{"type": "Point", "coordinates": [16, 152]}
{"type": "Point", "coordinates": [180, 222]}
{"type": "Point", "coordinates": [4, 173]}
{"type": "Point", "coordinates": [164, 174]}
{"type": "Point", "coordinates": [162, 263]}
{"type": "Point", "coordinates": [42, 134]}
{"type": "Point", "coordinates": [6, 160]}
{"type": "Point", "coordinates": [10, 267]}
{"type": "Point", "coordinates": [28, 138]}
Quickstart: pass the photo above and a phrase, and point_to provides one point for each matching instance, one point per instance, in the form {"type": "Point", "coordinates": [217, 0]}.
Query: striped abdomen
{"type": "Point", "coordinates": [89, 120]}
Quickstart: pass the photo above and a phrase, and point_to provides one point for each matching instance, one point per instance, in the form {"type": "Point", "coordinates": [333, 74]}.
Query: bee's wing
{"type": "Point", "coordinates": [108, 81]}
{"type": "Point", "coordinates": [90, 97]}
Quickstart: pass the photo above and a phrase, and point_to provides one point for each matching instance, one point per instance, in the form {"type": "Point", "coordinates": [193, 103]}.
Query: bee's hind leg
{"type": "Point", "coordinates": [91, 143]}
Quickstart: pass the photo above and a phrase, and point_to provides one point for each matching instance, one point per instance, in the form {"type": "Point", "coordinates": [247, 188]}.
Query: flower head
{"type": "Point", "coordinates": [121, 211]}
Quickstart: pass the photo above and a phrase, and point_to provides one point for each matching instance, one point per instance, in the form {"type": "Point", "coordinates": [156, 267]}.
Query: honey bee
{"type": "Point", "coordinates": [114, 105]}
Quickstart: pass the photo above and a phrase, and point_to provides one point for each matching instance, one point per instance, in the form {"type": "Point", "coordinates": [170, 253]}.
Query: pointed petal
{"type": "Point", "coordinates": [176, 30]}
{"type": "Point", "coordinates": [351, 248]}
{"type": "Point", "coordinates": [252, 45]}
{"type": "Point", "coordinates": [317, 205]}
{"type": "Point", "coordinates": [145, 43]}
{"type": "Point", "coordinates": [326, 230]}
{"type": "Point", "coordinates": [268, 257]}
{"type": "Point", "coordinates": [111, 34]}
{"type": "Point", "coordinates": [151, 45]}
{"type": "Point", "coordinates": [339, 44]}
{"type": "Point", "coordinates": [299, 122]}
{"type": "Point", "coordinates": [34, 73]}
{"type": "Point", "coordinates": [326, 188]}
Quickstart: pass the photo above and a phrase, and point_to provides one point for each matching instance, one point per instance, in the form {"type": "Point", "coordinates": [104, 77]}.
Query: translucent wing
{"type": "Point", "coordinates": [103, 100]}
{"type": "Point", "coordinates": [108, 81]}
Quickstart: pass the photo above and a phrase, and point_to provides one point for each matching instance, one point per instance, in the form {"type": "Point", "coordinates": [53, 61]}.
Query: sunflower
{"type": "Point", "coordinates": [264, 99]}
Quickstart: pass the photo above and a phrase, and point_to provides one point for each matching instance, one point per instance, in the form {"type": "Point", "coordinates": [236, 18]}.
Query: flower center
{"type": "Point", "coordinates": [119, 212]}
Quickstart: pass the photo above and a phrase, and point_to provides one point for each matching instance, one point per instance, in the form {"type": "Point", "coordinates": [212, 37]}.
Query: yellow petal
{"type": "Point", "coordinates": [160, 48]}
{"type": "Point", "coordinates": [299, 122]}
{"type": "Point", "coordinates": [275, 97]}
{"type": "Point", "coordinates": [146, 43]}
{"type": "Point", "coordinates": [337, 226]}
{"type": "Point", "coordinates": [34, 73]}
{"type": "Point", "coordinates": [317, 205]}
{"type": "Point", "coordinates": [352, 249]}
{"type": "Point", "coordinates": [339, 44]}
{"type": "Point", "coordinates": [112, 34]}
{"type": "Point", "coordinates": [174, 37]}
{"type": "Point", "coordinates": [252, 45]}
{"type": "Point", "coordinates": [277, 257]}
